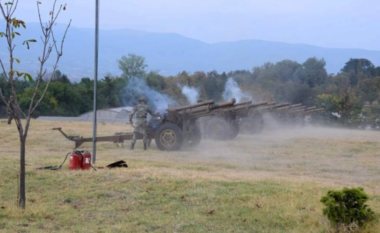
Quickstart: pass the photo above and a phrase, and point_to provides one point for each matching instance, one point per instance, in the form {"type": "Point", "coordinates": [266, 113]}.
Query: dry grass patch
{"type": "Point", "coordinates": [262, 183]}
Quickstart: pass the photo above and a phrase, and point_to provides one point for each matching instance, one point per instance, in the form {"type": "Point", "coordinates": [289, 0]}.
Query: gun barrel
{"type": "Point", "coordinates": [280, 105]}
{"type": "Point", "coordinates": [243, 103]}
{"type": "Point", "coordinates": [201, 109]}
{"type": "Point", "coordinates": [298, 108]}
{"type": "Point", "coordinates": [244, 109]}
{"type": "Point", "coordinates": [311, 108]}
{"type": "Point", "coordinates": [194, 105]}
{"type": "Point", "coordinates": [259, 104]}
{"type": "Point", "coordinates": [315, 110]}
{"type": "Point", "coordinates": [295, 105]}
{"type": "Point", "coordinates": [223, 105]}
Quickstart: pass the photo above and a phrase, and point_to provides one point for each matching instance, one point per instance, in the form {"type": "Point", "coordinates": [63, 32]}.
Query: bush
{"type": "Point", "coordinates": [346, 209]}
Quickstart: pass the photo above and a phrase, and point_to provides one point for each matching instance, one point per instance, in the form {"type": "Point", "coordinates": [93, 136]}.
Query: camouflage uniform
{"type": "Point", "coordinates": [10, 109]}
{"type": "Point", "coordinates": [141, 110]}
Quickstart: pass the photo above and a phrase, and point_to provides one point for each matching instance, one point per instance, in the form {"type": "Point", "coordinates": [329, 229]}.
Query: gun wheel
{"type": "Point", "coordinates": [194, 139]}
{"type": "Point", "coordinates": [234, 130]}
{"type": "Point", "coordinates": [218, 129]}
{"type": "Point", "coordinates": [169, 137]}
{"type": "Point", "coordinates": [251, 125]}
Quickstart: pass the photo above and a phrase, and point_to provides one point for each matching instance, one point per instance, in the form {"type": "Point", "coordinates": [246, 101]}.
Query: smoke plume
{"type": "Point", "coordinates": [137, 88]}
{"type": "Point", "coordinates": [232, 90]}
{"type": "Point", "coordinates": [191, 93]}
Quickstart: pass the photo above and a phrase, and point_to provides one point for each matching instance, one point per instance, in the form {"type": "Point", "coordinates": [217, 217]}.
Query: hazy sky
{"type": "Point", "coordinates": [327, 23]}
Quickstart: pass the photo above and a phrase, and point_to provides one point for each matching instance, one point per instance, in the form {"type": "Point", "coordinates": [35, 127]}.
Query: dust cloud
{"type": "Point", "coordinates": [328, 155]}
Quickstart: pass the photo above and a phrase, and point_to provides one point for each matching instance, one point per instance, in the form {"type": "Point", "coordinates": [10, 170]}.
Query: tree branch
{"type": "Point", "coordinates": [59, 54]}
{"type": "Point", "coordinates": [15, 7]}
{"type": "Point", "coordinates": [3, 68]}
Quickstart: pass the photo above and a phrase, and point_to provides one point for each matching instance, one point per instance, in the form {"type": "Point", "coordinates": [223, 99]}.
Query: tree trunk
{"type": "Point", "coordinates": [22, 196]}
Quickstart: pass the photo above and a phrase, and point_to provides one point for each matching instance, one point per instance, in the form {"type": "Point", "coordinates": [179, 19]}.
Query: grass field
{"type": "Point", "coordinates": [270, 182]}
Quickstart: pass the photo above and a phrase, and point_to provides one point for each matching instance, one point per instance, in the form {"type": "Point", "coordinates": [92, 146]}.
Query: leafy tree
{"type": "Point", "coordinates": [111, 91]}
{"type": "Point", "coordinates": [347, 209]}
{"type": "Point", "coordinates": [59, 77]}
{"type": "Point", "coordinates": [174, 91]}
{"type": "Point", "coordinates": [312, 72]}
{"type": "Point", "coordinates": [368, 90]}
{"type": "Point", "coordinates": [358, 69]}
{"type": "Point", "coordinates": [132, 66]}
{"type": "Point", "coordinates": [358, 66]}
{"type": "Point", "coordinates": [155, 81]}
{"type": "Point", "coordinates": [243, 77]}
{"type": "Point", "coordinates": [215, 84]}
{"type": "Point", "coordinates": [294, 93]}
{"type": "Point", "coordinates": [264, 73]}
{"type": "Point", "coordinates": [285, 70]}
{"type": "Point", "coordinates": [343, 98]}
{"type": "Point", "coordinates": [12, 31]}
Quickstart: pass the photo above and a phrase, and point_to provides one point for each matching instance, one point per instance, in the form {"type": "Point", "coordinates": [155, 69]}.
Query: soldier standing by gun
{"type": "Point", "coordinates": [10, 109]}
{"type": "Point", "coordinates": [141, 110]}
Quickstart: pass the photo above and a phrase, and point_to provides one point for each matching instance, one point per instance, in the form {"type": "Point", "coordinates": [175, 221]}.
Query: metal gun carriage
{"type": "Point", "coordinates": [172, 130]}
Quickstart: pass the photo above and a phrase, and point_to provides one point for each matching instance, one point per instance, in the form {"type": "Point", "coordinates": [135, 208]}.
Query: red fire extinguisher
{"type": "Point", "coordinates": [80, 160]}
{"type": "Point", "coordinates": [86, 162]}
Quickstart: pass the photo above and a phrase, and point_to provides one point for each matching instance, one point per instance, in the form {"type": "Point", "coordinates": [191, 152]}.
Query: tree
{"type": "Point", "coordinates": [358, 69]}
{"type": "Point", "coordinates": [312, 72]}
{"type": "Point", "coordinates": [12, 31]}
{"type": "Point", "coordinates": [59, 77]}
{"type": "Point", "coordinates": [214, 86]}
{"type": "Point", "coordinates": [368, 90]}
{"type": "Point", "coordinates": [294, 93]}
{"type": "Point", "coordinates": [359, 66]}
{"type": "Point", "coordinates": [132, 66]}
{"type": "Point", "coordinates": [155, 81]}
{"type": "Point", "coordinates": [285, 69]}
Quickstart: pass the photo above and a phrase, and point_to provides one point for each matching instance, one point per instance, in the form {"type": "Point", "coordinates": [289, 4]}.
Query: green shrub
{"type": "Point", "coordinates": [346, 208]}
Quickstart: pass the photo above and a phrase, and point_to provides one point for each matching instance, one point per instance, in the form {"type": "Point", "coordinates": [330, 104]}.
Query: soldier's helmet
{"type": "Point", "coordinates": [143, 99]}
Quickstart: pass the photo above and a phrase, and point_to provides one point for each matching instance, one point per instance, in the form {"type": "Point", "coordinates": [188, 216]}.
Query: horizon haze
{"type": "Point", "coordinates": [330, 24]}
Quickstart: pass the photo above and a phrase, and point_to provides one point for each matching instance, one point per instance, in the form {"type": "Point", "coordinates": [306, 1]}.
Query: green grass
{"type": "Point", "coordinates": [64, 200]}
{"type": "Point", "coordinates": [247, 185]}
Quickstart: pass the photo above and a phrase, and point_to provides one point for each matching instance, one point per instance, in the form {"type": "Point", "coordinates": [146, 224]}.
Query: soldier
{"type": "Point", "coordinates": [141, 111]}
{"type": "Point", "coordinates": [10, 109]}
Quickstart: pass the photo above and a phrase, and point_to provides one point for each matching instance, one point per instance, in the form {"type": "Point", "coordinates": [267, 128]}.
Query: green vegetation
{"type": "Point", "coordinates": [308, 83]}
{"type": "Point", "coordinates": [346, 209]}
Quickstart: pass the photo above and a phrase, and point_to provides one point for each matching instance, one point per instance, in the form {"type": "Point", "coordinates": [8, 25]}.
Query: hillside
{"type": "Point", "coordinates": [173, 53]}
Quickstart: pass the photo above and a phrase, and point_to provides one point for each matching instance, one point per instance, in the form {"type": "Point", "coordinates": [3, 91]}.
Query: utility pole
{"type": "Point", "coordinates": [95, 80]}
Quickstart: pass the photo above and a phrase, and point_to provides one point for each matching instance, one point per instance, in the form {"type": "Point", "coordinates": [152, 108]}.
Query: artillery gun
{"type": "Point", "coordinates": [303, 116]}
{"type": "Point", "coordinates": [172, 130]}
{"type": "Point", "coordinates": [225, 123]}
{"type": "Point", "coordinates": [254, 121]}
{"type": "Point", "coordinates": [295, 114]}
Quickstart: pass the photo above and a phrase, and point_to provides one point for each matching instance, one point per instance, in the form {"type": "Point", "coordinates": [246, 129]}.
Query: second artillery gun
{"type": "Point", "coordinates": [172, 130]}
{"type": "Point", "coordinates": [224, 123]}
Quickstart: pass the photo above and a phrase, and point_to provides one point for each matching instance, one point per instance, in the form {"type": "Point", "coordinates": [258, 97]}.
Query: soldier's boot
{"type": "Point", "coordinates": [132, 146]}
{"type": "Point", "coordinates": [144, 146]}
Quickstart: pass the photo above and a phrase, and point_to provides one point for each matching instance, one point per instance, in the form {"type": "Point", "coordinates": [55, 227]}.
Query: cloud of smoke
{"type": "Point", "coordinates": [137, 88]}
{"type": "Point", "coordinates": [191, 93]}
{"type": "Point", "coordinates": [232, 90]}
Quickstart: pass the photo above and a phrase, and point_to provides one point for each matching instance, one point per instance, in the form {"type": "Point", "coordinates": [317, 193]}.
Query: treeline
{"type": "Point", "coordinates": [343, 94]}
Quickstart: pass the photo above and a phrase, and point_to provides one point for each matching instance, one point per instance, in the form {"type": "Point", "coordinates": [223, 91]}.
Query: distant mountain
{"type": "Point", "coordinates": [172, 53]}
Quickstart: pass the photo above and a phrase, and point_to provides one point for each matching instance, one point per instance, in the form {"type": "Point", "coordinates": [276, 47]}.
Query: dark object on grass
{"type": "Point", "coordinates": [120, 163]}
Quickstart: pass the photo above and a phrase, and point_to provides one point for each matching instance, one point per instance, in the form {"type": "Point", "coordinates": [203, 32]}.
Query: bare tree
{"type": "Point", "coordinates": [50, 46]}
